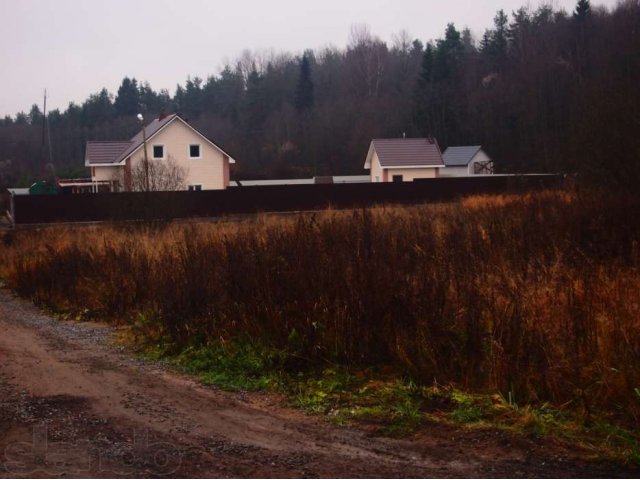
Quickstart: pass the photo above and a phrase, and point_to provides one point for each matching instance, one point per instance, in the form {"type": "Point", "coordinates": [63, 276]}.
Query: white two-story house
{"type": "Point", "coordinates": [178, 157]}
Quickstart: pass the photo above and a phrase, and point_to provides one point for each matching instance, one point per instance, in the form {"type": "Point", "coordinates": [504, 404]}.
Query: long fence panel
{"type": "Point", "coordinates": [95, 207]}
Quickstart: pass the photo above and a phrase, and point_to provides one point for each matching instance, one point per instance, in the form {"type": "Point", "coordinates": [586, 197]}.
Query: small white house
{"type": "Point", "coordinates": [466, 161]}
{"type": "Point", "coordinates": [169, 140]}
{"type": "Point", "coordinates": [403, 159]}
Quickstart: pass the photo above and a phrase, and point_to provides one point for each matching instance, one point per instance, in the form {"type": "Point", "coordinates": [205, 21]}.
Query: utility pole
{"type": "Point", "coordinates": [146, 159]}
{"type": "Point", "coordinates": [42, 144]}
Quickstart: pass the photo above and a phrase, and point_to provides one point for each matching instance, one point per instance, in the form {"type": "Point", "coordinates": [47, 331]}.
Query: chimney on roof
{"type": "Point", "coordinates": [162, 116]}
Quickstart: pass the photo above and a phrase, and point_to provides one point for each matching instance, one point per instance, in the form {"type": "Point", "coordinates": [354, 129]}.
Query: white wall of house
{"type": "Point", "coordinates": [211, 170]}
{"type": "Point", "coordinates": [409, 174]}
{"type": "Point", "coordinates": [455, 171]}
{"type": "Point", "coordinates": [377, 175]}
{"type": "Point", "coordinates": [380, 174]}
{"type": "Point", "coordinates": [478, 157]}
{"type": "Point", "coordinates": [109, 173]}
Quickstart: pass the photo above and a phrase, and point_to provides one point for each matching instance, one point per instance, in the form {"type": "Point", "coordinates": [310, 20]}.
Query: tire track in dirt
{"type": "Point", "coordinates": [74, 403]}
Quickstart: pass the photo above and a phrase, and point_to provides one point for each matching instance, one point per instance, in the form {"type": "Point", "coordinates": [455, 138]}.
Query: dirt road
{"type": "Point", "coordinates": [74, 404]}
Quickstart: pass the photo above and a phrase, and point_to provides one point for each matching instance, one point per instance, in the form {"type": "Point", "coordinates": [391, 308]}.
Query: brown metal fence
{"type": "Point", "coordinates": [5, 201]}
{"type": "Point", "coordinates": [94, 207]}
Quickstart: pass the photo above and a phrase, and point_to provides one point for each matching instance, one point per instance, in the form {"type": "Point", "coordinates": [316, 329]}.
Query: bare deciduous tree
{"type": "Point", "coordinates": [402, 42]}
{"type": "Point", "coordinates": [161, 175]}
{"type": "Point", "coordinates": [368, 55]}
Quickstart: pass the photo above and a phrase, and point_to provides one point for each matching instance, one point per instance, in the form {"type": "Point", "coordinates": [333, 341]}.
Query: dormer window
{"type": "Point", "coordinates": [194, 150]}
{"type": "Point", "coordinates": [158, 152]}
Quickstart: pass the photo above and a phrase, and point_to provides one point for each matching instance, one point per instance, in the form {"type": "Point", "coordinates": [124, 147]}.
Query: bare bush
{"type": "Point", "coordinates": [153, 176]}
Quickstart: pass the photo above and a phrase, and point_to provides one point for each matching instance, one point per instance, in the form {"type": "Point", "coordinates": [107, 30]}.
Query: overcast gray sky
{"type": "Point", "coordinates": [75, 47]}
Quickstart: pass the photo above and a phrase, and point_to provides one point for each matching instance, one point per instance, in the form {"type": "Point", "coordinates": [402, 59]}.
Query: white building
{"type": "Point", "coordinates": [403, 159]}
{"type": "Point", "coordinates": [466, 161]}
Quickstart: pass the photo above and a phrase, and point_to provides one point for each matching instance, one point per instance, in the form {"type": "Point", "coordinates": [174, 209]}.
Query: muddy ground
{"type": "Point", "coordinates": [74, 404]}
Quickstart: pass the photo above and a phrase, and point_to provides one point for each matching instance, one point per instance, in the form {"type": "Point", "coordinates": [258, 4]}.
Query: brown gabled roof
{"type": "Point", "coordinates": [104, 152]}
{"type": "Point", "coordinates": [407, 152]}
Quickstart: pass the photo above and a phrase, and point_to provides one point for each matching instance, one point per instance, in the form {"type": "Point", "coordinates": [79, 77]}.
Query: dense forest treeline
{"type": "Point", "coordinates": [543, 90]}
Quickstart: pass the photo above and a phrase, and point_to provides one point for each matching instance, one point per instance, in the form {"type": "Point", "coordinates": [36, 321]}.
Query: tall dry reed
{"type": "Point", "coordinates": [536, 296]}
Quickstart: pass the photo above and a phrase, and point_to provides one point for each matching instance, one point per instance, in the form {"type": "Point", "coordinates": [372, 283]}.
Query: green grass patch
{"type": "Point", "coordinates": [231, 366]}
{"type": "Point", "coordinates": [387, 404]}
{"type": "Point", "coordinates": [469, 408]}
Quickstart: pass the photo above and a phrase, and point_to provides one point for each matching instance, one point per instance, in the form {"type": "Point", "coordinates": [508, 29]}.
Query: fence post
{"type": "Point", "coordinates": [11, 211]}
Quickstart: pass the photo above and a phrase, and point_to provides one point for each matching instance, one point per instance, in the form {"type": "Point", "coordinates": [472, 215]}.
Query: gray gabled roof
{"type": "Point", "coordinates": [405, 152]}
{"type": "Point", "coordinates": [460, 156]}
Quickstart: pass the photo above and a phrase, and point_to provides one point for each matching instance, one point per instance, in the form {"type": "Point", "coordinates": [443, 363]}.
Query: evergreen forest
{"type": "Point", "coordinates": [543, 90]}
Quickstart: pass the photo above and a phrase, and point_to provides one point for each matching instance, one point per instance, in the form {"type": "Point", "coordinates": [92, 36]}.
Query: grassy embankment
{"type": "Point", "coordinates": [388, 316]}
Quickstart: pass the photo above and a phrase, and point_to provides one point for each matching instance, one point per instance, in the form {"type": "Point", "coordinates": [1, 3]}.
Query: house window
{"type": "Point", "coordinates": [158, 151]}
{"type": "Point", "coordinates": [397, 178]}
{"type": "Point", "coordinates": [195, 188]}
{"type": "Point", "coordinates": [194, 151]}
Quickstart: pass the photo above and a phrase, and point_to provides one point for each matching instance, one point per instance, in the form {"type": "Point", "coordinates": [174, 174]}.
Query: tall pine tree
{"type": "Point", "coordinates": [583, 9]}
{"type": "Point", "coordinates": [423, 93]}
{"type": "Point", "coordinates": [128, 98]}
{"type": "Point", "coordinates": [304, 88]}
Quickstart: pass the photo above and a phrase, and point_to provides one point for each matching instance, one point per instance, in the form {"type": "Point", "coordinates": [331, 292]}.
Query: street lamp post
{"type": "Point", "coordinates": [146, 159]}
